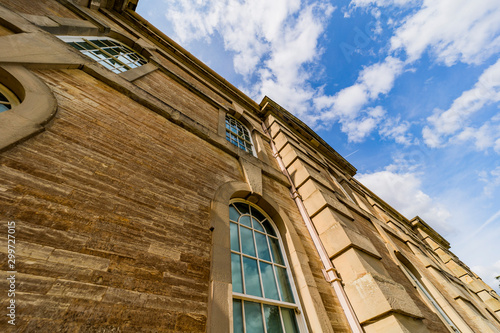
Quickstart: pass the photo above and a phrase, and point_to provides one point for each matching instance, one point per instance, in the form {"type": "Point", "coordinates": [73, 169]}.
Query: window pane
{"type": "Point", "coordinates": [242, 207]}
{"type": "Point", "coordinates": [237, 316]}
{"type": "Point", "coordinates": [257, 225]}
{"type": "Point", "coordinates": [4, 107]}
{"type": "Point", "coordinates": [258, 215]}
{"type": "Point", "coordinates": [286, 292]}
{"type": "Point", "coordinates": [275, 249]}
{"type": "Point", "coordinates": [236, 273]}
{"type": "Point", "coordinates": [270, 290]}
{"type": "Point", "coordinates": [235, 242]}
{"type": "Point", "coordinates": [245, 219]}
{"type": "Point", "coordinates": [262, 248]}
{"type": "Point", "coordinates": [253, 318]}
{"type": "Point", "coordinates": [268, 227]}
{"type": "Point", "coordinates": [252, 283]}
{"type": "Point", "coordinates": [247, 245]}
{"type": "Point", "coordinates": [233, 214]}
{"type": "Point", "coordinates": [98, 43]}
{"type": "Point", "coordinates": [289, 321]}
{"type": "Point", "coordinates": [272, 319]}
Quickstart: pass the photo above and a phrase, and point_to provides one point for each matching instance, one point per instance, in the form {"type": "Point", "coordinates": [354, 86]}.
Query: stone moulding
{"type": "Point", "coordinates": [38, 106]}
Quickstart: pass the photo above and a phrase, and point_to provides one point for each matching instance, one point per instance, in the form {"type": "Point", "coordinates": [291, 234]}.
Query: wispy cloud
{"type": "Point", "coordinates": [492, 180]}
{"type": "Point", "coordinates": [454, 124]}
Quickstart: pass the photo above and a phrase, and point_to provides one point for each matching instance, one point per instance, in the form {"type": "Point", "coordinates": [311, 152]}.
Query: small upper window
{"type": "Point", "coordinates": [108, 52]}
{"type": "Point", "coordinates": [7, 99]}
{"type": "Point", "coordinates": [238, 134]}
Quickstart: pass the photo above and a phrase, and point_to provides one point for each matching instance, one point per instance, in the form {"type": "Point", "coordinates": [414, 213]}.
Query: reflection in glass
{"type": "Point", "coordinates": [235, 242]}
{"type": "Point", "coordinates": [275, 249]}
{"type": "Point", "coordinates": [233, 214]}
{"type": "Point", "coordinates": [257, 226]}
{"type": "Point", "coordinates": [236, 273]}
{"type": "Point", "coordinates": [245, 219]}
{"type": "Point", "coordinates": [286, 292]}
{"type": "Point", "coordinates": [272, 319]}
{"type": "Point", "coordinates": [270, 290]}
{"type": "Point", "coordinates": [289, 320]}
{"type": "Point", "coordinates": [237, 316]}
{"type": "Point", "coordinates": [262, 248]}
{"type": "Point", "coordinates": [247, 245]}
{"type": "Point", "coordinates": [252, 283]}
{"type": "Point", "coordinates": [253, 318]}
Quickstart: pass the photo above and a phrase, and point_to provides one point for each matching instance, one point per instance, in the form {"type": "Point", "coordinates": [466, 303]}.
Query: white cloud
{"type": "Point", "coordinates": [402, 190]}
{"type": "Point", "coordinates": [358, 129]}
{"type": "Point", "coordinates": [394, 128]}
{"type": "Point", "coordinates": [453, 30]}
{"type": "Point", "coordinates": [492, 180]}
{"type": "Point", "coordinates": [272, 41]}
{"type": "Point", "coordinates": [488, 273]}
{"type": "Point", "coordinates": [444, 124]}
{"type": "Point", "coordinates": [347, 105]}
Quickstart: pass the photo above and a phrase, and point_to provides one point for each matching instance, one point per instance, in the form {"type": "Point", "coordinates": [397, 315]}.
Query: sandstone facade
{"type": "Point", "coordinates": [119, 186]}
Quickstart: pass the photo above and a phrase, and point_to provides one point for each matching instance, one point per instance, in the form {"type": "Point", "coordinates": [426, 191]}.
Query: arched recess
{"type": "Point", "coordinates": [220, 285]}
{"type": "Point", "coordinates": [37, 106]}
{"type": "Point", "coordinates": [431, 295]}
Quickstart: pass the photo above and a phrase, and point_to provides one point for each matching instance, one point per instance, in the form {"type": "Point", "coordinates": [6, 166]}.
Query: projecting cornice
{"type": "Point", "coordinates": [268, 105]}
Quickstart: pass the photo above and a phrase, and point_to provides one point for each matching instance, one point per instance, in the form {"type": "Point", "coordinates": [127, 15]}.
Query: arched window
{"type": "Point", "coordinates": [7, 99]}
{"type": "Point", "coordinates": [108, 52]}
{"type": "Point", "coordinates": [264, 299]}
{"type": "Point", "coordinates": [420, 286]}
{"type": "Point", "coordinates": [238, 134]}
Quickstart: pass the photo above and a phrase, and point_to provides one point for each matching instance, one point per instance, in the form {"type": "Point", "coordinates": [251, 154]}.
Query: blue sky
{"type": "Point", "coordinates": [408, 91]}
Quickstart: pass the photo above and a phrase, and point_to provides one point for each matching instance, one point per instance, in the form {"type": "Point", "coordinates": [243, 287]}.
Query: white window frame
{"type": "Point", "coordinates": [302, 327]}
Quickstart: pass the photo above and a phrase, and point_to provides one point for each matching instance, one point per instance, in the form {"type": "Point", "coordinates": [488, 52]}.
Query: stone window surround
{"type": "Point", "coordinates": [9, 99]}
{"type": "Point", "coordinates": [220, 287]}
{"type": "Point", "coordinates": [37, 106]}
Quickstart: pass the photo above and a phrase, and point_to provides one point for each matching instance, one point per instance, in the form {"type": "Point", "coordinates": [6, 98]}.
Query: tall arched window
{"type": "Point", "coordinates": [238, 134]}
{"type": "Point", "coordinates": [264, 299]}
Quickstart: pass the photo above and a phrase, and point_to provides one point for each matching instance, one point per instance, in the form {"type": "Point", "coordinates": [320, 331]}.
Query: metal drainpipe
{"type": "Point", "coordinates": [329, 271]}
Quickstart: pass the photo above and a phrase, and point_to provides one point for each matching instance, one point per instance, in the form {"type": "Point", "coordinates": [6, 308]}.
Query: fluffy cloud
{"type": "Point", "coordinates": [454, 123]}
{"type": "Point", "coordinates": [402, 190]}
{"type": "Point", "coordinates": [452, 30]}
{"type": "Point", "coordinates": [272, 42]}
{"type": "Point", "coordinates": [347, 106]}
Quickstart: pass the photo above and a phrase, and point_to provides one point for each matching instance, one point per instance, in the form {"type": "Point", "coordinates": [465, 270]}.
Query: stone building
{"type": "Point", "coordinates": [147, 194]}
